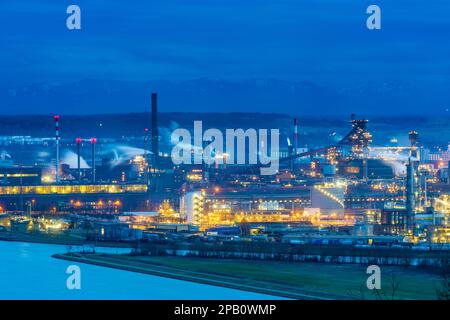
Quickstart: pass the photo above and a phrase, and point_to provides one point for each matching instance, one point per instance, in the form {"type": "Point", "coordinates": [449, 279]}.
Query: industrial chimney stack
{"type": "Point", "coordinates": [146, 160]}
{"type": "Point", "coordinates": [448, 172]}
{"type": "Point", "coordinates": [56, 118]}
{"type": "Point", "coordinates": [414, 140]}
{"type": "Point", "coordinates": [410, 195]}
{"type": "Point", "coordinates": [93, 142]}
{"type": "Point", "coordinates": [155, 134]}
{"type": "Point", "coordinates": [78, 140]}
{"type": "Point", "coordinates": [295, 135]}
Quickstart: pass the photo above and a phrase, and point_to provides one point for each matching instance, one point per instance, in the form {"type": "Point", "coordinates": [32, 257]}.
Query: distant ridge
{"type": "Point", "coordinates": [218, 95]}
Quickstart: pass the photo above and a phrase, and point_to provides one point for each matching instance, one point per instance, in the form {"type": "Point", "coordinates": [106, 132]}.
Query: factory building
{"type": "Point", "coordinates": [75, 198]}
{"type": "Point", "coordinates": [330, 199]}
{"type": "Point", "coordinates": [262, 199]}
{"type": "Point", "coordinates": [224, 207]}
{"type": "Point", "coordinates": [367, 169]}
{"type": "Point", "coordinates": [191, 207]}
{"type": "Point", "coordinates": [115, 232]}
{"type": "Point", "coordinates": [394, 220]}
{"type": "Point", "coordinates": [362, 196]}
{"type": "Point", "coordinates": [20, 175]}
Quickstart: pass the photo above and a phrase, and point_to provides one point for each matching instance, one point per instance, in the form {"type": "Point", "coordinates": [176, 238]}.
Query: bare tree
{"type": "Point", "coordinates": [391, 293]}
{"type": "Point", "coordinates": [443, 292]}
{"type": "Point", "coordinates": [395, 284]}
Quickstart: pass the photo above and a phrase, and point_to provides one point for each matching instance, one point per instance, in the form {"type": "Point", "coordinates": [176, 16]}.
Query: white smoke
{"type": "Point", "coordinates": [122, 154]}
{"type": "Point", "coordinates": [43, 154]}
{"type": "Point", "coordinates": [398, 167]}
{"type": "Point", "coordinates": [395, 160]}
{"type": "Point", "coordinates": [4, 155]}
{"type": "Point", "coordinates": [69, 157]}
{"type": "Point", "coordinates": [165, 133]}
{"type": "Point", "coordinates": [336, 136]}
{"type": "Point", "coordinates": [390, 155]}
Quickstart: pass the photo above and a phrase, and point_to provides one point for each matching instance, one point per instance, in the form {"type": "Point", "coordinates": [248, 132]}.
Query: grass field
{"type": "Point", "coordinates": [324, 280]}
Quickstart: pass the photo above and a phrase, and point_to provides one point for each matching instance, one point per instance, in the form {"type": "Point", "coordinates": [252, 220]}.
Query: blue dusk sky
{"type": "Point", "coordinates": [312, 57]}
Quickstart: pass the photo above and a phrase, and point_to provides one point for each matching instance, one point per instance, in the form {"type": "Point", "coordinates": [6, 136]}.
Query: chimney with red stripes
{"type": "Point", "coordinates": [78, 141]}
{"type": "Point", "coordinates": [56, 118]}
{"type": "Point", "coordinates": [93, 142]}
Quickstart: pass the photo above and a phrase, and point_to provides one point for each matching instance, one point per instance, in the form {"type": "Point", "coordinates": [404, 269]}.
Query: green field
{"type": "Point", "coordinates": [316, 279]}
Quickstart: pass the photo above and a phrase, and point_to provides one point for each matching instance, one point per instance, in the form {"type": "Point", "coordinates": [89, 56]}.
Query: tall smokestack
{"type": "Point", "coordinates": [414, 140]}
{"type": "Point", "coordinates": [146, 155]}
{"type": "Point", "coordinates": [295, 135]}
{"type": "Point", "coordinates": [410, 201]}
{"type": "Point", "coordinates": [93, 142]}
{"type": "Point", "coordinates": [145, 142]}
{"type": "Point", "coordinates": [448, 172]}
{"type": "Point", "coordinates": [155, 134]}
{"type": "Point", "coordinates": [365, 169]}
{"type": "Point", "coordinates": [78, 140]}
{"type": "Point", "coordinates": [56, 118]}
{"type": "Point", "coordinates": [291, 157]}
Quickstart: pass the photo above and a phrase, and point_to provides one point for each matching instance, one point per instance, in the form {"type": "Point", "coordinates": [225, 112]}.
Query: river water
{"type": "Point", "coordinates": [27, 271]}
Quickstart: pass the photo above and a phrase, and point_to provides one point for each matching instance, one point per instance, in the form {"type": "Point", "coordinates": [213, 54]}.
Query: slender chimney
{"type": "Point", "coordinates": [78, 140]}
{"type": "Point", "coordinates": [448, 172]}
{"type": "Point", "coordinates": [93, 142]}
{"type": "Point", "coordinates": [56, 118]}
{"type": "Point", "coordinates": [414, 140]}
{"type": "Point", "coordinates": [146, 161]}
{"type": "Point", "coordinates": [155, 134]}
{"type": "Point", "coordinates": [295, 135]}
{"type": "Point", "coordinates": [410, 199]}
{"type": "Point", "coordinates": [365, 169]}
{"type": "Point", "coordinates": [145, 141]}
{"type": "Point", "coordinates": [291, 157]}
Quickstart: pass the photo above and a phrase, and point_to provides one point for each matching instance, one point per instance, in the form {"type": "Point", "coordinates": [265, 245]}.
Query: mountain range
{"type": "Point", "coordinates": [299, 98]}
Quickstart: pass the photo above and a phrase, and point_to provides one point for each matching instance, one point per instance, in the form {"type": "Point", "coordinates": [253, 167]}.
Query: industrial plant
{"type": "Point", "coordinates": [348, 193]}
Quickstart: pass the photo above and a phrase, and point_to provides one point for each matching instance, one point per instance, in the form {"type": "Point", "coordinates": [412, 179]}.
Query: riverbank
{"type": "Point", "coordinates": [306, 253]}
{"type": "Point", "coordinates": [29, 272]}
{"type": "Point", "coordinates": [283, 279]}
{"type": "Point", "coordinates": [68, 240]}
